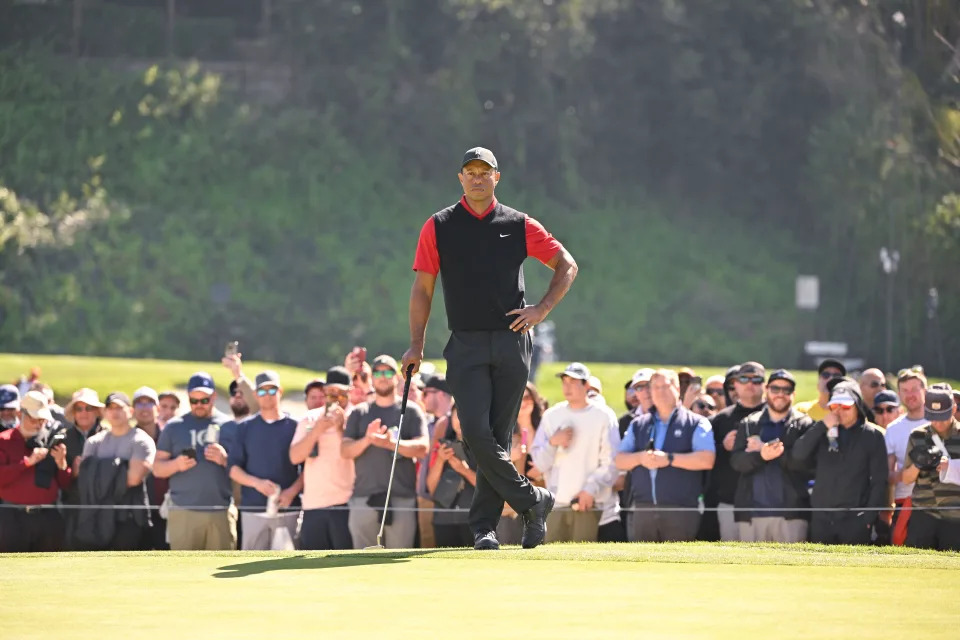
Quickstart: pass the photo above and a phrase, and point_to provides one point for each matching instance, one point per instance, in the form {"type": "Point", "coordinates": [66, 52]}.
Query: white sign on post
{"type": "Point", "coordinates": [808, 292]}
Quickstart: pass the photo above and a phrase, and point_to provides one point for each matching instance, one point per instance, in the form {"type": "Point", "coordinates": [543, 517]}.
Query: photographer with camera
{"type": "Point", "coordinates": [33, 469]}
{"type": "Point", "coordinates": [931, 450]}
{"type": "Point", "coordinates": [200, 514]}
{"type": "Point", "coordinates": [451, 481]}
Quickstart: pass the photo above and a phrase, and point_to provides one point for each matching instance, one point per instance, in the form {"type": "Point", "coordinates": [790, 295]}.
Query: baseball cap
{"type": "Point", "coordinates": [316, 383]}
{"type": "Point", "coordinates": [832, 363]}
{"type": "Point", "coordinates": [146, 392]}
{"type": "Point", "coordinates": [479, 153]}
{"type": "Point", "coordinates": [384, 360]}
{"type": "Point", "coordinates": [686, 372]}
{"type": "Point", "coordinates": [938, 404]}
{"type": "Point", "coordinates": [438, 381]}
{"type": "Point", "coordinates": [886, 397]}
{"type": "Point", "coordinates": [35, 404]}
{"type": "Point", "coordinates": [782, 374]}
{"type": "Point", "coordinates": [575, 370]}
{"type": "Point", "coordinates": [640, 376]}
{"type": "Point", "coordinates": [117, 397]}
{"type": "Point", "coordinates": [168, 394]}
{"type": "Point", "coordinates": [752, 369]}
{"type": "Point", "coordinates": [9, 397]}
{"type": "Point", "coordinates": [201, 381]}
{"type": "Point", "coordinates": [594, 383]}
{"type": "Point", "coordinates": [843, 398]}
{"type": "Point", "coordinates": [338, 376]}
{"type": "Point", "coordinates": [268, 378]}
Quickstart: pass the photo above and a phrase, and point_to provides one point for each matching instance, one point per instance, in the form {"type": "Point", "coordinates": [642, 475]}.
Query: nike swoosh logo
{"type": "Point", "coordinates": [504, 235]}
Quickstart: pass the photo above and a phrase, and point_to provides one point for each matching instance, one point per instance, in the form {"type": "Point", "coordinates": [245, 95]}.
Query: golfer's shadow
{"type": "Point", "coordinates": [312, 562]}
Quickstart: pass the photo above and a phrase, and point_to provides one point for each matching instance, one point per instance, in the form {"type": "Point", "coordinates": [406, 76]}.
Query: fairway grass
{"type": "Point", "coordinates": [557, 591]}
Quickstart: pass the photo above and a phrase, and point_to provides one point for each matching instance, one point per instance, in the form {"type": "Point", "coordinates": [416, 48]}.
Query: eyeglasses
{"type": "Point", "coordinates": [875, 384]}
{"type": "Point", "coordinates": [199, 400]}
{"type": "Point", "coordinates": [914, 369]}
{"type": "Point", "coordinates": [384, 373]}
{"type": "Point", "coordinates": [336, 394]}
{"type": "Point", "coordinates": [838, 407]}
{"type": "Point", "coordinates": [715, 391]}
{"type": "Point", "coordinates": [143, 405]}
{"type": "Point", "coordinates": [827, 374]}
{"type": "Point", "coordinates": [882, 410]}
{"type": "Point", "coordinates": [82, 408]}
{"type": "Point", "coordinates": [779, 390]}
{"type": "Point", "coordinates": [750, 379]}
{"type": "Point", "coordinates": [701, 406]}
{"type": "Point", "coordinates": [272, 391]}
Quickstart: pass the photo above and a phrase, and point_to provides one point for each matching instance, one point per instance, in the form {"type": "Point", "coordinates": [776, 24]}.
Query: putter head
{"type": "Point", "coordinates": [373, 548]}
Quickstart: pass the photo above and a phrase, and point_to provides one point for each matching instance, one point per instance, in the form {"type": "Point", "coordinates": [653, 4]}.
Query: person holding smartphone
{"type": "Point", "coordinates": [451, 480]}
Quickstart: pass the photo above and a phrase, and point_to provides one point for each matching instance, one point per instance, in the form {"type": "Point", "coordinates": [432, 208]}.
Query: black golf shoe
{"type": "Point", "coordinates": [535, 520]}
{"type": "Point", "coordinates": [485, 541]}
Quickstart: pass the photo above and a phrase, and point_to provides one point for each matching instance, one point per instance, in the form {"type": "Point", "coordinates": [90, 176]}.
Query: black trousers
{"type": "Point", "coordinates": [926, 531]}
{"type": "Point", "coordinates": [24, 531]}
{"type": "Point", "coordinates": [840, 527]}
{"type": "Point", "coordinates": [487, 373]}
{"type": "Point", "coordinates": [324, 529]}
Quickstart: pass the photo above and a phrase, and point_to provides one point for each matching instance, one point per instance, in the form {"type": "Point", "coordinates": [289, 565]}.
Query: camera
{"type": "Point", "coordinates": [926, 457]}
{"type": "Point", "coordinates": [190, 452]}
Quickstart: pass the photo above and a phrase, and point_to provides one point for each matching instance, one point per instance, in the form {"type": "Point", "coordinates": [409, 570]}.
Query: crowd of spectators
{"type": "Point", "coordinates": [871, 460]}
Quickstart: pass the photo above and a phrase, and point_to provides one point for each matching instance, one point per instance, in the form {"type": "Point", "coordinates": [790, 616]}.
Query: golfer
{"type": "Point", "coordinates": [479, 246]}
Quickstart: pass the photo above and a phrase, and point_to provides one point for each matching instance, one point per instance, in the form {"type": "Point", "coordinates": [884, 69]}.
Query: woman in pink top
{"type": "Point", "coordinates": [327, 479]}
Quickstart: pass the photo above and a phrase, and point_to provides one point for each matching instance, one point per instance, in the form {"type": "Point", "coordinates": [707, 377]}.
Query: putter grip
{"type": "Point", "coordinates": [406, 389]}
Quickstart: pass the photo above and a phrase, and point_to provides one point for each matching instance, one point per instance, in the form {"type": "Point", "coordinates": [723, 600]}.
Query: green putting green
{"type": "Point", "coordinates": [556, 591]}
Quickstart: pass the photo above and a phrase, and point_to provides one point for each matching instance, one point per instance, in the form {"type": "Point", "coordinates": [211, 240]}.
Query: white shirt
{"type": "Point", "coordinates": [897, 435]}
{"type": "Point", "coordinates": [587, 464]}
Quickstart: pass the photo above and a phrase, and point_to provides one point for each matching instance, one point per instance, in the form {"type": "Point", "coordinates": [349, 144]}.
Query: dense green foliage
{"type": "Point", "coordinates": [694, 156]}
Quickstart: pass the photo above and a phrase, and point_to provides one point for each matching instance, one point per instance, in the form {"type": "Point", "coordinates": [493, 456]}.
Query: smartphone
{"type": "Point", "coordinates": [361, 353]}
{"type": "Point", "coordinates": [190, 452]}
{"type": "Point", "coordinates": [232, 349]}
{"type": "Point", "coordinates": [696, 382]}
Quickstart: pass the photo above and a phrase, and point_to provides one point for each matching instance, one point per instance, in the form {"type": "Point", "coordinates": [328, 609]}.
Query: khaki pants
{"type": "Point", "coordinates": [425, 522]}
{"type": "Point", "coordinates": [202, 530]}
{"type": "Point", "coordinates": [773, 530]}
{"type": "Point", "coordinates": [729, 531]}
{"type": "Point", "coordinates": [573, 526]}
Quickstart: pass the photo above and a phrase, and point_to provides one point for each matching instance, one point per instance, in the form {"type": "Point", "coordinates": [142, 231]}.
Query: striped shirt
{"type": "Point", "coordinates": [929, 491]}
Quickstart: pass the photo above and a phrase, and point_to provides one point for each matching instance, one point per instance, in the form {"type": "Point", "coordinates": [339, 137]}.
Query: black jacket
{"type": "Point", "coordinates": [722, 486]}
{"type": "Point", "coordinates": [857, 475]}
{"type": "Point", "coordinates": [103, 481]}
{"type": "Point", "coordinates": [74, 442]}
{"type": "Point", "coordinates": [795, 474]}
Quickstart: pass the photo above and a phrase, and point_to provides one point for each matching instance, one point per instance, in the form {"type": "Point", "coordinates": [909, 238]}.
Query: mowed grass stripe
{"type": "Point", "coordinates": [561, 591]}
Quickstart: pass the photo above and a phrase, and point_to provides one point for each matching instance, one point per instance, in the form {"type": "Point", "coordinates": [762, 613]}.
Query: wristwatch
{"type": "Point", "coordinates": [669, 459]}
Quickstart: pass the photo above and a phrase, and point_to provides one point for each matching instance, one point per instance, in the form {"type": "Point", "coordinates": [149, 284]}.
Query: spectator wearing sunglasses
{"type": "Point", "coordinates": [722, 488]}
{"type": "Point", "coordinates": [848, 456]}
{"type": "Point", "coordinates": [714, 388]}
{"type": "Point", "coordinates": [872, 382]}
{"type": "Point", "coordinates": [703, 405]}
{"type": "Point", "coordinates": [260, 462]}
{"type": "Point", "coordinates": [337, 387]}
{"type": "Point", "coordinates": [145, 414]}
{"type": "Point", "coordinates": [886, 408]}
{"type": "Point", "coordinates": [190, 453]}
{"type": "Point", "coordinates": [84, 414]}
{"type": "Point", "coordinates": [827, 371]}
{"type": "Point", "coordinates": [911, 385]}
{"type": "Point", "coordinates": [770, 480]}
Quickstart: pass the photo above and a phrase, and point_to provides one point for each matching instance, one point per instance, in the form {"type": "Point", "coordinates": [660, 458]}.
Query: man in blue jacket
{"type": "Point", "coordinates": [666, 451]}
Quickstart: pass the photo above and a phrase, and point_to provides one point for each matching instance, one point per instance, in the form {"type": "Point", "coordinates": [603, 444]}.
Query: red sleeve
{"type": "Point", "coordinates": [11, 468]}
{"type": "Point", "coordinates": [427, 258]}
{"type": "Point", "coordinates": [64, 477]}
{"type": "Point", "coordinates": [540, 244]}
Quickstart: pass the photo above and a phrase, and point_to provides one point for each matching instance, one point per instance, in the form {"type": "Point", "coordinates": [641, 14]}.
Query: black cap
{"type": "Point", "coordinates": [233, 388]}
{"type": "Point", "coordinates": [832, 363]}
{"type": "Point", "coordinates": [752, 368]}
{"type": "Point", "coordinates": [479, 153]}
{"type": "Point", "coordinates": [886, 397]}
{"type": "Point", "coordinates": [438, 381]}
{"type": "Point", "coordinates": [782, 374]}
{"type": "Point", "coordinates": [339, 375]}
{"type": "Point", "coordinates": [938, 404]}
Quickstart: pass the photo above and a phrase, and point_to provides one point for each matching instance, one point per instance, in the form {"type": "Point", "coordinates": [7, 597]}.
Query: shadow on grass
{"type": "Point", "coordinates": [311, 562]}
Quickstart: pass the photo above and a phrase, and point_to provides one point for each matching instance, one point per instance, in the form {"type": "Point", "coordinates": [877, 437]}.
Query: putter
{"type": "Point", "coordinates": [393, 465]}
